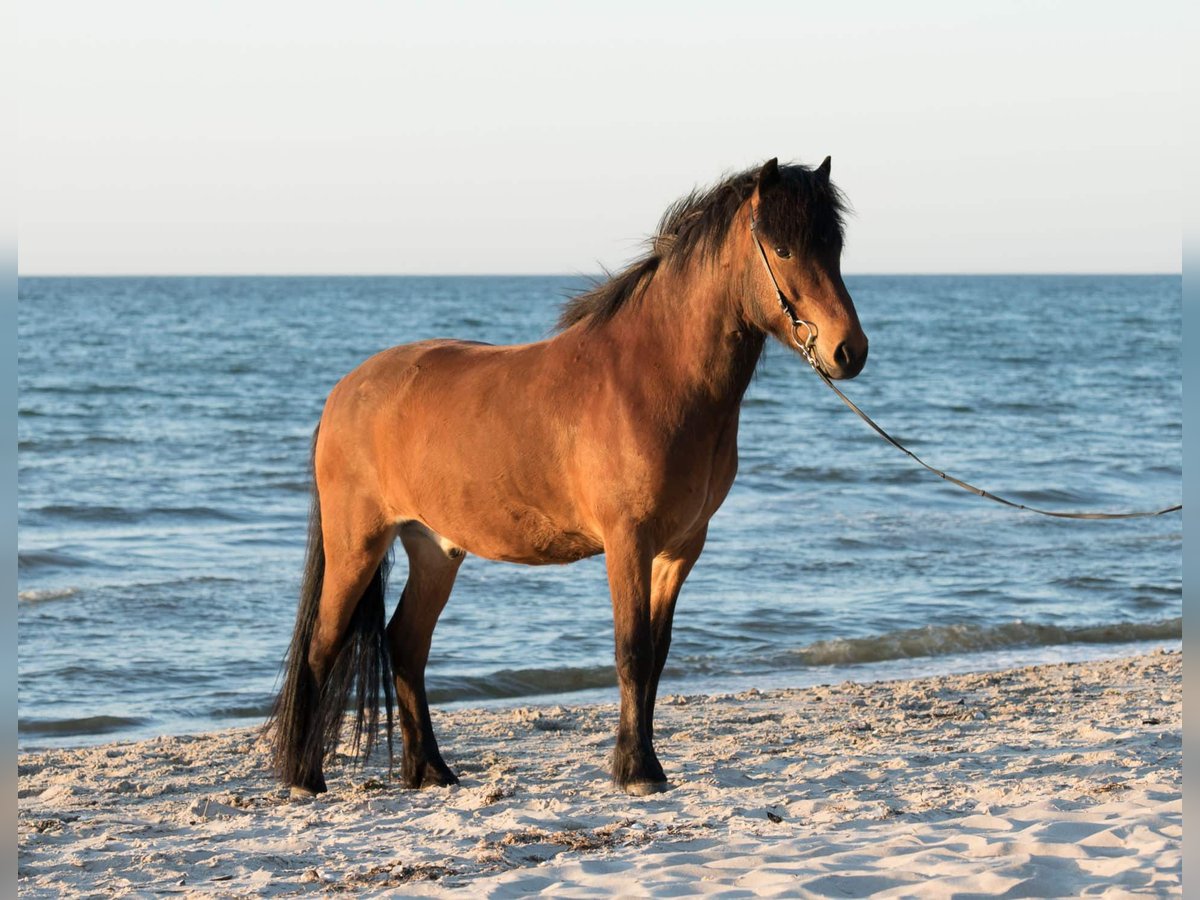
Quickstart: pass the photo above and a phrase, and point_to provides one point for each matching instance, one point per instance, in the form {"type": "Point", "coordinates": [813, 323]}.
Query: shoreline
{"type": "Point", "coordinates": [863, 672]}
{"type": "Point", "coordinates": [1049, 780]}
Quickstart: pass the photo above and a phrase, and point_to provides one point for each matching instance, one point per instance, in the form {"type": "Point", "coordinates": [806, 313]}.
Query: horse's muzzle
{"type": "Point", "coordinates": [848, 360]}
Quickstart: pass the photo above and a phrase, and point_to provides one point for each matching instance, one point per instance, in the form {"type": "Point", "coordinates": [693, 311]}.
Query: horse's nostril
{"type": "Point", "coordinates": [843, 355]}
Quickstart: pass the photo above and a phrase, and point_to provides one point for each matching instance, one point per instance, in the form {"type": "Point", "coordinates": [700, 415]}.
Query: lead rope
{"type": "Point", "coordinates": [806, 349]}
{"type": "Point", "coordinates": [962, 484]}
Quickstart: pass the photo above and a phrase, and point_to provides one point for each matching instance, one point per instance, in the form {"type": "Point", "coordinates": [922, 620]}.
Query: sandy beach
{"type": "Point", "coordinates": [1052, 781]}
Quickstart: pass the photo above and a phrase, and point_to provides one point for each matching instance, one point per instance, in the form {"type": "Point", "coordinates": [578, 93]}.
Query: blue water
{"type": "Point", "coordinates": [164, 426]}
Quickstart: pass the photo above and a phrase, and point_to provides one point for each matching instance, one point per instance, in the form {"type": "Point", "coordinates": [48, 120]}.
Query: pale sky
{"type": "Point", "coordinates": [525, 137]}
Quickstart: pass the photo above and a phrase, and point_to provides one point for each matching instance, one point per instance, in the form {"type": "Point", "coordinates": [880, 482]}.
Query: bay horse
{"type": "Point", "coordinates": [617, 435]}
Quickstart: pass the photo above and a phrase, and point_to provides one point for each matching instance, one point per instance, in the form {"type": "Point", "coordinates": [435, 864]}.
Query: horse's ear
{"type": "Point", "coordinates": [768, 174]}
{"type": "Point", "coordinates": [823, 169]}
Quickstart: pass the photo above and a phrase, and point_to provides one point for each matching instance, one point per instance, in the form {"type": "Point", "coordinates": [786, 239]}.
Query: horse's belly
{"type": "Point", "coordinates": [544, 550]}
{"type": "Point", "coordinates": [520, 534]}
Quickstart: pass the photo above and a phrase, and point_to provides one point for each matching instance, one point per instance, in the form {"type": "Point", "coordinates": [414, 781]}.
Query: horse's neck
{"type": "Point", "coordinates": [689, 337]}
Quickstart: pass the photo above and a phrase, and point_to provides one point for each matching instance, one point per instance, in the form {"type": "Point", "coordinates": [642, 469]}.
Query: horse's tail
{"type": "Point", "coordinates": [305, 721]}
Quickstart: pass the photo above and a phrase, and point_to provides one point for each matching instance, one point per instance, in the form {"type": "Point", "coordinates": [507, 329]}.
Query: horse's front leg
{"type": "Point", "coordinates": [635, 765]}
{"type": "Point", "coordinates": [666, 578]}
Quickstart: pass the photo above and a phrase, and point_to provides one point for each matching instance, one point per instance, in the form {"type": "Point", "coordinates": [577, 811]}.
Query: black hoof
{"type": "Point", "coordinates": [307, 788]}
{"type": "Point", "coordinates": [429, 774]}
{"type": "Point", "coordinates": [638, 772]}
{"type": "Point", "coordinates": [646, 788]}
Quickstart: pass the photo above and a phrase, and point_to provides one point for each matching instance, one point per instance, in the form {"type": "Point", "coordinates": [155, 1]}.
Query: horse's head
{"type": "Point", "coordinates": [796, 248]}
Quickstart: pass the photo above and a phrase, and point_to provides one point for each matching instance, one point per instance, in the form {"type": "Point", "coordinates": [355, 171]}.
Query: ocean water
{"type": "Point", "coordinates": [164, 426]}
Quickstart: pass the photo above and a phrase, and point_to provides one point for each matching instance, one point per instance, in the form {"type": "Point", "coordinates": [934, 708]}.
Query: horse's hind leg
{"type": "Point", "coordinates": [355, 574]}
{"type": "Point", "coordinates": [353, 544]}
{"type": "Point", "coordinates": [432, 567]}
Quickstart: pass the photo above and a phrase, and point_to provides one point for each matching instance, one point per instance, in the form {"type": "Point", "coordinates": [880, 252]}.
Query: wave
{"type": "Point", "coordinates": [504, 684]}
{"type": "Point", "coordinates": [44, 594]}
{"type": "Point", "coordinates": [93, 389]}
{"type": "Point", "coordinates": [930, 641]}
{"type": "Point", "coordinates": [943, 640]}
{"type": "Point", "coordinates": [508, 683]}
{"type": "Point", "coordinates": [85, 725]}
{"type": "Point", "coordinates": [86, 513]}
{"type": "Point", "coordinates": [70, 442]}
{"type": "Point", "coordinates": [1052, 495]}
{"type": "Point", "coordinates": [49, 559]}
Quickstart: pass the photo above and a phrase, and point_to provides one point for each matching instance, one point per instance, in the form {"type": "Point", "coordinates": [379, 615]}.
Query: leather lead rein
{"type": "Point", "coordinates": [806, 347]}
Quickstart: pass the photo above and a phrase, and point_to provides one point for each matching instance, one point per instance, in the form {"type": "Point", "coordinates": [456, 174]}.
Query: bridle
{"type": "Point", "coordinates": [806, 346]}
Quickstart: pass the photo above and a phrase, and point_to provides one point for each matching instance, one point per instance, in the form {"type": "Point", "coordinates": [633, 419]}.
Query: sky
{"type": "Point", "coordinates": [536, 137]}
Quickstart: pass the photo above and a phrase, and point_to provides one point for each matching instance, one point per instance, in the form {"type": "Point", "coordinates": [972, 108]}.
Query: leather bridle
{"type": "Point", "coordinates": [807, 346]}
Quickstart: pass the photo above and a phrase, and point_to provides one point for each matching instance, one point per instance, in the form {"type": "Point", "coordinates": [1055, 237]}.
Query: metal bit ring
{"type": "Point", "coordinates": [810, 338]}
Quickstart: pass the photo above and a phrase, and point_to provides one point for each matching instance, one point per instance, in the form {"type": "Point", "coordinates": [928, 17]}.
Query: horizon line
{"type": "Point", "coordinates": [591, 275]}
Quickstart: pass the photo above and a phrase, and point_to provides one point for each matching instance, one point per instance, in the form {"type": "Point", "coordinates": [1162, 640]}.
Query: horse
{"type": "Point", "coordinates": [616, 435]}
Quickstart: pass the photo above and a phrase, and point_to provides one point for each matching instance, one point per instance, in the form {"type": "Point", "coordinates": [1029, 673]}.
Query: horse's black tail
{"type": "Point", "coordinates": [305, 721]}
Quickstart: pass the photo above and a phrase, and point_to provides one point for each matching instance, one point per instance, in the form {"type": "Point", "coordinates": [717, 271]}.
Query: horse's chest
{"type": "Point", "coordinates": [722, 471]}
{"type": "Point", "coordinates": [701, 471]}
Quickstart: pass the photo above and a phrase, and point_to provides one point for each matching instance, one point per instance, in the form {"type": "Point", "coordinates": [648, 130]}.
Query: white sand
{"type": "Point", "coordinates": [1054, 781]}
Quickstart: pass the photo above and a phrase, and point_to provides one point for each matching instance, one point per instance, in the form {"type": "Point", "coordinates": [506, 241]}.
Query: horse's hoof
{"type": "Point", "coordinates": [430, 775]}
{"type": "Point", "coordinates": [646, 788]}
{"type": "Point", "coordinates": [296, 792]}
{"type": "Point", "coordinates": [438, 778]}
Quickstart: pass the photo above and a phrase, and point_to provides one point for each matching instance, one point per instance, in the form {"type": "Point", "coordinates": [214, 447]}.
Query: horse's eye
{"type": "Point", "coordinates": [783, 252]}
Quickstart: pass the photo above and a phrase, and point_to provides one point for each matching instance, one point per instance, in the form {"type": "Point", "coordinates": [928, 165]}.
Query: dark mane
{"type": "Point", "coordinates": [801, 211]}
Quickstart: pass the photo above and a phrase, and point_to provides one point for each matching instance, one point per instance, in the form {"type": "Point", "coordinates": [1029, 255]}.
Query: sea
{"type": "Point", "coordinates": [164, 428]}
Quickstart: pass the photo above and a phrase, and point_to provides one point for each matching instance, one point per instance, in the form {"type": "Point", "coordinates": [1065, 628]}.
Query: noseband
{"type": "Point", "coordinates": [806, 345]}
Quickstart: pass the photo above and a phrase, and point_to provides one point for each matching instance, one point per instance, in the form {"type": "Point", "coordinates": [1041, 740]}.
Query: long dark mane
{"type": "Point", "coordinates": [801, 211]}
